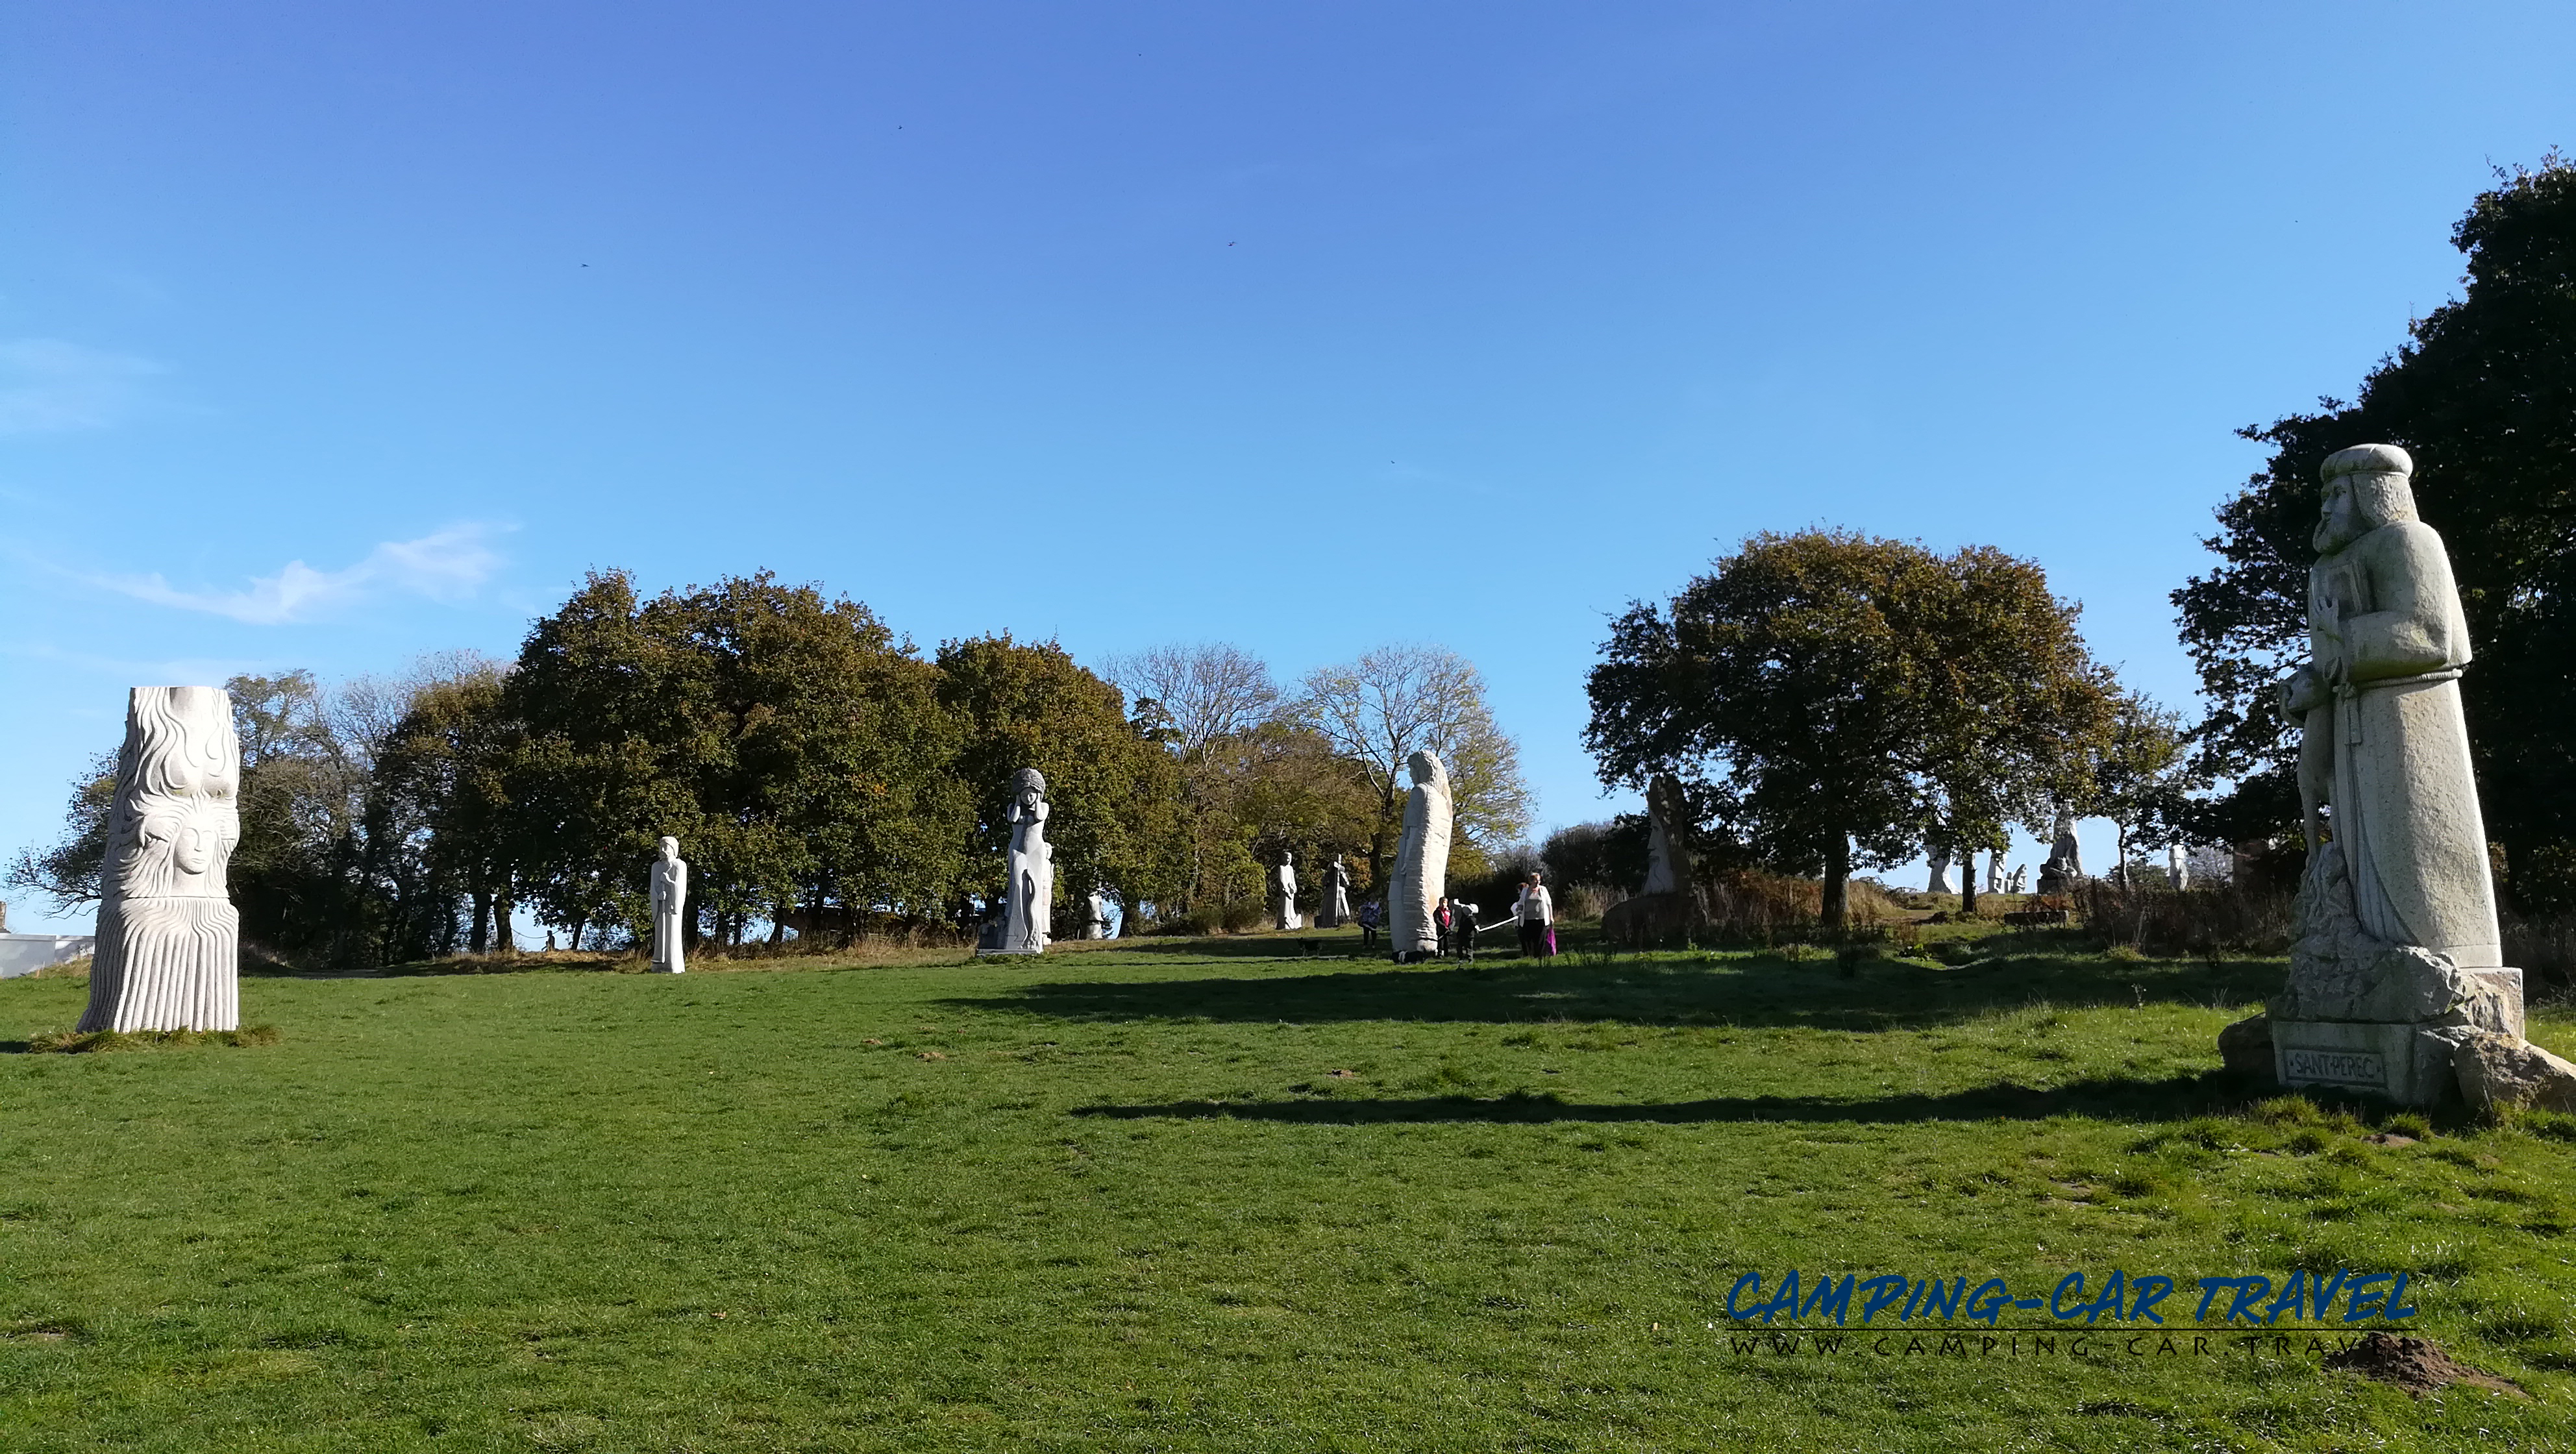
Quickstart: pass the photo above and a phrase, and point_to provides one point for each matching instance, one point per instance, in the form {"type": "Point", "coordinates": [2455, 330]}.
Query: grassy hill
{"type": "Point", "coordinates": [1220, 1195]}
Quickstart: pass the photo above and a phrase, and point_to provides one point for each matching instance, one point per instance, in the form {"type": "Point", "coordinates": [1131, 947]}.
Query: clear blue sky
{"type": "Point", "coordinates": [332, 334]}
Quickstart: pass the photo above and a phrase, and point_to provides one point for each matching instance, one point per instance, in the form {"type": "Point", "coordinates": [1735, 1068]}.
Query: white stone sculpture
{"type": "Point", "coordinates": [1421, 863]}
{"type": "Point", "coordinates": [1994, 870]}
{"type": "Point", "coordinates": [1283, 891]}
{"type": "Point", "coordinates": [2020, 879]}
{"type": "Point", "coordinates": [2177, 867]}
{"type": "Point", "coordinates": [169, 940]}
{"type": "Point", "coordinates": [1940, 882]}
{"type": "Point", "coordinates": [1668, 864]}
{"type": "Point", "coordinates": [1336, 905]}
{"type": "Point", "coordinates": [1095, 917]}
{"type": "Point", "coordinates": [670, 901]}
{"type": "Point", "coordinates": [1028, 890]}
{"type": "Point", "coordinates": [2397, 958]}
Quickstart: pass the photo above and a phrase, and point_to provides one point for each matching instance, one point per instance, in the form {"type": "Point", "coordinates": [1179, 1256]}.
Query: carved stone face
{"type": "Point", "coordinates": [177, 817]}
{"type": "Point", "coordinates": [2339, 521]}
{"type": "Point", "coordinates": [670, 849]}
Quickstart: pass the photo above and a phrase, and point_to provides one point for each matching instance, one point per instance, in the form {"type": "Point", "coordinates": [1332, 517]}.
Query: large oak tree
{"type": "Point", "coordinates": [1841, 700]}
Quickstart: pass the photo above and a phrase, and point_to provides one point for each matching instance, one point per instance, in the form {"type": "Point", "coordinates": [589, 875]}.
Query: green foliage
{"type": "Point", "coordinates": [1834, 699]}
{"type": "Point", "coordinates": [2483, 395]}
{"type": "Point", "coordinates": [1112, 789]}
{"type": "Point", "coordinates": [1171, 1198]}
{"type": "Point", "coordinates": [1397, 700]}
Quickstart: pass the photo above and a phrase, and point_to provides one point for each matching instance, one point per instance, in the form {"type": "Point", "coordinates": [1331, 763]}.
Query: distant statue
{"type": "Point", "coordinates": [1994, 871]}
{"type": "Point", "coordinates": [2397, 916]}
{"type": "Point", "coordinates": [168, 955]}
{"type": "Point", "coordinates": [1421, 863]}
{"type": "Point", "coordinates": [1336, 905]}
{"type": "Point", "coordinates": [1940, 883]}
{"type": "Point", "coordinates": [1028, 867]}
{"type": "Point", "coordinates": [2020, 879]}
{"type": "Point", "coordinates": [1283, 891]}
{"type": "Point", "coordinates": [1668, 863]}
{"type": "Point", "coordinates": [2177, 867]}
{"type": "Point", "coordinates": [2065, 866]}
{"type": "Point", "coordinates": [670, 902]}
{"type": "Point", "coordinates": [1095, 916]}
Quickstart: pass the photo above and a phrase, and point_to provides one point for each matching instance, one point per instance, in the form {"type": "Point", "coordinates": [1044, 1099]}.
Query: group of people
{"type": "Point", "coordinates": [1533, 911]}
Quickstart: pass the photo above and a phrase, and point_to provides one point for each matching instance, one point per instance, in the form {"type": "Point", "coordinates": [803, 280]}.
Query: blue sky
{"type": "Point", "coordinates": [331, 335]}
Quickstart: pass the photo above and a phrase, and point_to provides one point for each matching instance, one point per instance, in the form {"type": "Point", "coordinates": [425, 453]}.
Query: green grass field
{"type": "Point", "coordinates": [1200, 1196]}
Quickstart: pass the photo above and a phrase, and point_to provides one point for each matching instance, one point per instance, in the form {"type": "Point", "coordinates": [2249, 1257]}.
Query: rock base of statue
{"type": "Point", "coordinates": [994, 937]}
{"type": "Point", "coordinates": [2365, 1015]}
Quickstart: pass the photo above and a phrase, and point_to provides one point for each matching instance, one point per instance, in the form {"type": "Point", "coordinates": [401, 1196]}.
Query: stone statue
{"type": "Point", "coordinates": [1095, 916]}
{"type": "Point", "coordinates": [1422, 863]}
{"type": "Point", "coordinates": [1028, 885]}
{"type": "Point", "coordinates": [2065, 866]}
{"type": "Point", "coordinates": [2177, 867]}
{"type": "Point", "coordinates": [2020, 879]}
{"type": "Point", "coordinates": [2397, 957]}
{"type": "Point", "coordinates": [1994, 871]}
{"type": "Point", "coordinates": [1668, 864]}
{"type": "Point", "coordinates": [1336, 905]}
{"type": "Point", "coordinates": [1940, 883]}
{"type": "Point", "coordinates": [670, 901]}
{"type": "Point", "coordinates": [1283, 891]}
{"type": "Point", "coordinates": [169, 940]}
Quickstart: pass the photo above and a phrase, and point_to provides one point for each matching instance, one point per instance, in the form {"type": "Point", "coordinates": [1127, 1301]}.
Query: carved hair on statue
{"type": "Point", "coordinates": [169, 942]}
{"type": "Point", "coordinates": [2382, 490]}
{"type": "Point", "coordinates": [1028, 779]}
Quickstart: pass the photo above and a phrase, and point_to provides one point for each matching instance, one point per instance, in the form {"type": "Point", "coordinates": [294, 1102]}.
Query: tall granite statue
{"type": "Point", "coordinates": [169, 940]}
{"type": "Point", "coordinates": [2020, 882]}
{"type": "Point", "coordinates": [2397, 960]}
{"type": "Point", "coordinates": [1028, 885]}
{"type": "Point", "coordinates": [1994, 870]}
{"type": "Point", "coordinates": [1668, 863]}
{"type": "Point", "coordinates": [1336, 904]}
{"type": "Point", "coordinates": [1940, 880]}
{"type": "Point", "coordinates": [1421, 863]}
{"type": "Point", "coordinates": [1283, 891]}
{"type": "Point", "coordinates": [2177, 867]}
{"type": "Point", "coordinates": [1095, 916]}
{"type": "Point", "coordinates": [670, 901]}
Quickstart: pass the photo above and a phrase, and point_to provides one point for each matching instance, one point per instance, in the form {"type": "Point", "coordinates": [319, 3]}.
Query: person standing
{"type": "Point", "coordinates": [1370, 915]}
{"type": "Point", "coordinates": [1537, 915]}
{"type": "Point", "coordinates": [1462, 929]}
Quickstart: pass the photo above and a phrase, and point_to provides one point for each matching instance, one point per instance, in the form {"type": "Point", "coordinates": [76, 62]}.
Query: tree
{"type": "Point", "coordinates": [797, 750]}
{"type": "Point", "coordinates": [1201, 692]}
{"type": "Point", "coordinates": [2483, 395]}
{"type": "Point", "coordinates": [2139, 777]}
{"type": "Point", "coordinates": [1397, 700]}
{"type": "Point", "coordinates": [1112, 790]}
{"type": "Point", "coordinates": [68, 873]}
{"type": "Point", "coordinates": [1834, 699]}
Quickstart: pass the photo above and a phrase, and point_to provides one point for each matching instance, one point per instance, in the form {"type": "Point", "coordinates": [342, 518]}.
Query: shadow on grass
{"type": "Point", "coordinates": [1757, 991]}
{"type": "Point", "coordinates": [2174, 1098]}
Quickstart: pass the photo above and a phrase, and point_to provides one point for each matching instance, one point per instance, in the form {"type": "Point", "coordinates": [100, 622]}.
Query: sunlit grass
{"type": "Point", "coordinates": [1216, 1195]}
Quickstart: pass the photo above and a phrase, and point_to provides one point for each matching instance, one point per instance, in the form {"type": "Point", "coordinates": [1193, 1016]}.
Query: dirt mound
{"type": "Point", "coordinates": [2412, 1364]}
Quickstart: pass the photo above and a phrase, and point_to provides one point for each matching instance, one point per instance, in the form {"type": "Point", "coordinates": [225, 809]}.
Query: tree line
{"type": "Point", "coordinates": [825, 777]}
{"type": "Point", "coordinates": [1831, 700]}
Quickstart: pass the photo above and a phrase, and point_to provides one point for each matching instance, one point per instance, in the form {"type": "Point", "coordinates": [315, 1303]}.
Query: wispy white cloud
{"type": "Point", "coordinates": [448, 566]}
{"type": "Point", "coordinates": [48, 385]}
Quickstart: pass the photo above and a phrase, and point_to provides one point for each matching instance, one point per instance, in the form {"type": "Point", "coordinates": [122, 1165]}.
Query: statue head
{"type": "Point", "coordinates": [670, 849]}
{"type": "Point", "coordinates": [2366, 486]}
{"type": "Point", "coordinates": [1028, 787]}
{"type": "Point", "coordinates": [1426, 769]}
{"type": "Point", "coordinates": [178, 778]}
